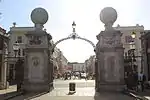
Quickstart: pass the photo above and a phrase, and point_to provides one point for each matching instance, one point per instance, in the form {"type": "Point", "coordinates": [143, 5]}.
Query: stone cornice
{"type": "Point", "coordinates": [22, 28]}
{"type": "Point", "coordinates": [130, 28]}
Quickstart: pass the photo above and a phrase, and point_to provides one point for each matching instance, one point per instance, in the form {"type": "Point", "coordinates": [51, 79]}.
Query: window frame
{"type": "Point", "coordinates": [19, 39]}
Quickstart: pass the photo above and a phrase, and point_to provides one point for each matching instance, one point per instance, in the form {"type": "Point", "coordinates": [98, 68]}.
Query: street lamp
{"type": "Point", "coordinates": [74, 34]}
{"type": "Point", "coordinates": [16, 48]}
{"type": "Point", "coordinates": [133, 35]}
{"type": "Point", "coordinates": [18, 67]}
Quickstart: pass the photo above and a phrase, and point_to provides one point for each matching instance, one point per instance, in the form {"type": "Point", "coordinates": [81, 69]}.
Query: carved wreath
{"type": "Point", "coordinates": [35, 61]}
{"type": "Point", "coordinates": [109, 40]}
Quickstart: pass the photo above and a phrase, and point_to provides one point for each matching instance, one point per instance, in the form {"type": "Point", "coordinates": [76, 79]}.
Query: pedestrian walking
{"type": "Point", "coordinates": [125, 78]}
{"type": "Point", "coordinates": [130, 81]}
{"type": "Point", "coordinates": [142, 79]}
{"type": "Point", "coordinates": [70, 76]}
{"type": "Point", "coordinates": [66, 77]}
{"type": "Point", "coordinates": [19, 74]}
{"type": "Point", "coordinates": [135, 75]}
{"type": "Point", "coordinates": [148, 84]}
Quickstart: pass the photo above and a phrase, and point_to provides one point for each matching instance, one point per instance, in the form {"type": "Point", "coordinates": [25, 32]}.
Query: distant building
{"type": "Point", "coordinates": [59, 61]}
{"type": "Point", "coordinates": [64, 63]}
{"type": "Point", "coordinates": [3, 58]}
{"type": "Point", "coordinates": [129, 42]}
{"type": "Point", "coordinates": [17, 34]}
{"type": "Point", "coordinates": [68, 68]}
{"type": "Point", "coordinates": [77, 66]}
{"type": "Point", "coordinates": [56, 61]}
{"type": "Point", "coordinates": [145, 41]}
{"type": "Point", "coordinates": [70, 65]}
{"type": "Point", "coordinates": [90, 65]}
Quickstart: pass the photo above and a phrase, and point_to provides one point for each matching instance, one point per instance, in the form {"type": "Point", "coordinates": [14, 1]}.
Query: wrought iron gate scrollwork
{"type": "Point", "coordinates": [74, 36]}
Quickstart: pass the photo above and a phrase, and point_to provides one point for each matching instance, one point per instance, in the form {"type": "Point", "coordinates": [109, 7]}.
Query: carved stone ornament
{"type": "Point", "coordinates": [35, 61]}
{"type": "Point", "coordinates": [98, 36]}
{"type": "Point", "coordinates": [108, 41]}
{"type": "Point", "coordinates": [35, 40]}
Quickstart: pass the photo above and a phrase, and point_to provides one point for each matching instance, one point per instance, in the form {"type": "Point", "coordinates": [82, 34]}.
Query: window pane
{"type": "Point", "coordinates": [19, 39]}
{"type": "Point", "coordinates": [1, 43]}
{"type": "Point", "coordinates": [128, 39]}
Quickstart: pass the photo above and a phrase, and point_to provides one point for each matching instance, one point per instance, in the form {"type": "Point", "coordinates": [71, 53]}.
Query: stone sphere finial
{"type": "Point", "coordinates": [108, 16]}
{"type": "Point", "coordinates": [39, 16]}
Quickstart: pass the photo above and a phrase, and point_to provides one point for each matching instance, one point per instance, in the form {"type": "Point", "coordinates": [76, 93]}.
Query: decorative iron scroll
{"type": "Point", "coordinates": [73, 36]}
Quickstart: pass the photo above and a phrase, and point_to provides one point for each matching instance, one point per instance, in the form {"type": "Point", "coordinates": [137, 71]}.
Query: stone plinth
{"type": "Point", "coordinates": [109, 51]}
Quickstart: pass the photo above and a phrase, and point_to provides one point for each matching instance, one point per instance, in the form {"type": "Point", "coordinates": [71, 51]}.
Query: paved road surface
{"type": "Point", "coordinates": [79, 83]}
{"type": "Point", "coordinates": [84, 91]}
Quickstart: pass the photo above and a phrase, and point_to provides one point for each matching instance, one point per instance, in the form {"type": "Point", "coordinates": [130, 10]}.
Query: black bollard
{"type": "Point", "coordinates": [72, 87]}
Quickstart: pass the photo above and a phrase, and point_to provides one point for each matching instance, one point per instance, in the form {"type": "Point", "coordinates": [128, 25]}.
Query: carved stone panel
{"type": "Point", "coordinates": [101, 65]}
{"type": "Point", "coordinates": [35, 40]}
{"type": "Point", "coordinates": [111, 67]}
{"type": "Point", "coordinates": [35, 61]}
{"type": "Point", "coordinates": [35, 67]}
{"type": "Point", "coordinates": [108, 41]}
{"type": "Point", "coordinates": [108, 50]}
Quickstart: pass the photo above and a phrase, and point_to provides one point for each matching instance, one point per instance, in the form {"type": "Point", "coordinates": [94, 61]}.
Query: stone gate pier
{"type": "Point", "coordinates": [37, 65]}
{"type": "Point", "coordinates": [109, 52]}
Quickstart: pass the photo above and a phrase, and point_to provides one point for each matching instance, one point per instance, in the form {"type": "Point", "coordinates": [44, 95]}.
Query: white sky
{"type": "Point", "coordinates": [85, 13]}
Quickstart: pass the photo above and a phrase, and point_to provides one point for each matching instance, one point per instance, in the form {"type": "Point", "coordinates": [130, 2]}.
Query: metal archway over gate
{"type": "Point", "coordinates": [74, 36]}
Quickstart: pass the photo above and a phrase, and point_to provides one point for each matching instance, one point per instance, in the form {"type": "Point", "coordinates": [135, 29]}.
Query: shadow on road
{"type": "Point", "coordinates": [6, 96]}
{"type": "Point", "coordinates": [21, 96]}
{"type": "Point", "coordinates": [111, 96]}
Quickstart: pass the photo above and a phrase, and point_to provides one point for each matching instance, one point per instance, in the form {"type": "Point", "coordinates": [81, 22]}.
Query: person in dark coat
{"type": "Point", "coordinates": [142, 79]}
{"type": "Point", "coordinates": [70, 76]}
{"type": "Point", "coordinates": [135, 80]}
{"type": "Point", "coordinates": [125, 78]}
{"type": "Point", "coordinates": [19, 73]}
{"type": "Point", "coordinates": [143, 82]}
{"type": "Point", "coordinates": [130, 81]}
{"type": "Point", "coordinates": [66, 77]}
